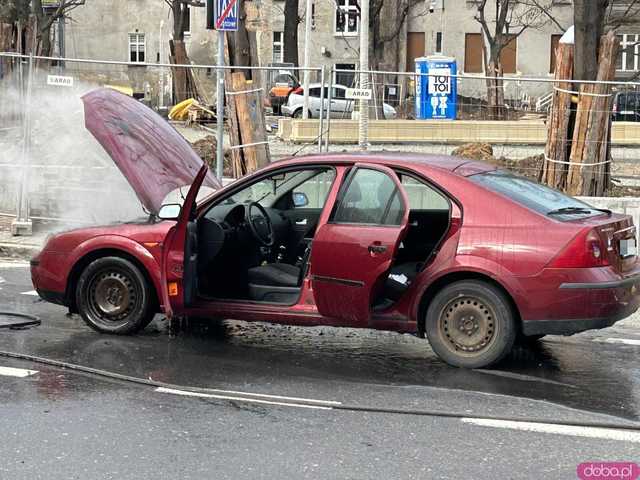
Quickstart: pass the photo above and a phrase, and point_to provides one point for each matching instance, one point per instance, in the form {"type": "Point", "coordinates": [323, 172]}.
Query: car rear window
{"type": "Point", "coordinates": [531, 194]}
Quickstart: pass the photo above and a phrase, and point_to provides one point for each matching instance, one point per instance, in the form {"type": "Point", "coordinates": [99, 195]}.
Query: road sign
{"type": "Point", "coordinates": [225, 15]}
{"type": "Point", "coordinates": [359, 94]}
{"type": "Point", "coordinates": [59, 81]}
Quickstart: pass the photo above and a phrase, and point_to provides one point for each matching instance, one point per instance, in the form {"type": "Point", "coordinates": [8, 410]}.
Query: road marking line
{"type": "Point", "coordinates": [625, 341]}
{"type": "Point", "coordinates": [590, 432]}
{"type": "Point", "coordinates": [14, 265]}
{"type": "Point", "coordinates": [16, 372]}
{"type": "Point", "coordinates": [2, 280]}
{"type": "Point", "coordinates": [30, 292]}
{"type": "Point", "coordinates": [238, 399]}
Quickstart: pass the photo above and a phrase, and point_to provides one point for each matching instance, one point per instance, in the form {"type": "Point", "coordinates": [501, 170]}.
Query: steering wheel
{"type": "Point", "coordinates": [260, 224]}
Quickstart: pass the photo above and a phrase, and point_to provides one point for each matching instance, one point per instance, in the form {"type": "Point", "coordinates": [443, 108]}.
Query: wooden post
{"type": "Point", "coordinates": [237, 158]}
{"type": "Point", "coordinates": [589, 153]}
{"type": "Point", "coordinates": [554, 174]}
{"type": "Point", "coordinates": [251, 123]}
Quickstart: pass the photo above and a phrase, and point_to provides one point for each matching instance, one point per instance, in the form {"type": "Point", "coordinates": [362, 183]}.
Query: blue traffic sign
{"type": "Point", "coordinates": [226, 15]}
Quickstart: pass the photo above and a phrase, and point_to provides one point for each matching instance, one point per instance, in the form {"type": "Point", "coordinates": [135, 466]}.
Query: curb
{"type": "Point", "coordinates": [8, 249]}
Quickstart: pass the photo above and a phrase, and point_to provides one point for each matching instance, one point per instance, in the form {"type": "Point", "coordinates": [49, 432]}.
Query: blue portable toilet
{"type": "Point", "coordinates": [436, 90]}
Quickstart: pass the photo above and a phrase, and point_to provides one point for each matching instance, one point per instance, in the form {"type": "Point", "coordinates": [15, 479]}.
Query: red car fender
{"type": "Point", "coordinates": [474, 265]}
{"type": "Point", "coordinates": [124, 244]}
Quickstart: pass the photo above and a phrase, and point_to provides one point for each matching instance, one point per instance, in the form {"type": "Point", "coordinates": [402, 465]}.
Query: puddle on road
{"type": "Point", "coordinates": [584, 375]}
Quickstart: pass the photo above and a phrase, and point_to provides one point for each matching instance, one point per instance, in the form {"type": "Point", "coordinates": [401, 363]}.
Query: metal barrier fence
{"type": "Point", "coordinates": [52, 168]}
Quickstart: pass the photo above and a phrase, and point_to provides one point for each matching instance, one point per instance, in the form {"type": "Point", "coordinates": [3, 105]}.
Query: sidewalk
{"type": "Point", "coordinates": [19, 247]}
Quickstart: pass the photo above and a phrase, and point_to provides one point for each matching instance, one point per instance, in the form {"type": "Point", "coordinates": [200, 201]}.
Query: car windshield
{"type": "Point", "coordinates": [534, 195]}
{"type": "Point", "coordinates": [266, 191]}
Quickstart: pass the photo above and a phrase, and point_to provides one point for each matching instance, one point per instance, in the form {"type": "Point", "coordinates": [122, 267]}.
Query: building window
{"type": "Point", "coordinates": [187, 19]}
{"type": "Point", "coordinates": [438, 42]}
{"type": "Point", "coordinates": [347, 17]}
{"type": "Point", "coordinates": [347, 79]}
{"type": "Point", "coordinates": [555, 41]}
{"type": "Point", "coordinates": [278, 50]}
{"type": "Point", "coordinates": [136, 47]}
{"type": "Point", "coordinates": [627, 60]}
{"type": "Point", "coordinates": [473, 53]}
{"type": "Point", "coordinates": [509, 56]}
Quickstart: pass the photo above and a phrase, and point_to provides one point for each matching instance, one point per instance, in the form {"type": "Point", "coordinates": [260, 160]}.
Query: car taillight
{"type": "Point", "coordinates": [584, 251]}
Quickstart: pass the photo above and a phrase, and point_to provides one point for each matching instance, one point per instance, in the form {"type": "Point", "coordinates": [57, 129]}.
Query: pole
{"type": "Point", "coordinates": [220, 108]}
{"type": "Point", "coordinates": [323, 98]}
{"type": "Point", "coordinates": [61, 44]}
{"type": "Point", "coordinates": [307, 54]}
{"type": "Point", "coordinates": [22, 223]}
{"type": "Point", "coordinates": [363, 130]}
{"type": "Point", "coordinates": [330, 97]}
{"type": "Point", "coordinates": [161, 53]}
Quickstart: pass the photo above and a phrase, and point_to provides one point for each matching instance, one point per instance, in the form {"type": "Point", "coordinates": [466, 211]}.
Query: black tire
{"type": "Point", "coordinates": [298, 113]}
{"type": "Point", "coordinates": [113, 296]}
{"type": "Point", "coordinates": [470, 324]}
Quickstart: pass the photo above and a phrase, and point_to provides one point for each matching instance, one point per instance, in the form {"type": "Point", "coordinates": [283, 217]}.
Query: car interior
{"type": "Point", "coordinates": [255, 244]}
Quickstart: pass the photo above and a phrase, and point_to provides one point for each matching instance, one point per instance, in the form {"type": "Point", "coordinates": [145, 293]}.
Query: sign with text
{"type": "Point", "coordinates": [59, 81]}
{"type": "Point", "coordinates": [222, 15]}
{"type": "Point", "coordinates": [359, 94]}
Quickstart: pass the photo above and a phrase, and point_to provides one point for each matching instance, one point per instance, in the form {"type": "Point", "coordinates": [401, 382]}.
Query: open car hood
{"type": "Point", "coordinates": [151, 154]}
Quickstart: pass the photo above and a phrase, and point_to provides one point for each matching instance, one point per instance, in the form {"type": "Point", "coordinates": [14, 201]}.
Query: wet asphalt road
{"type": "Point", "coordinates": [59, 424]}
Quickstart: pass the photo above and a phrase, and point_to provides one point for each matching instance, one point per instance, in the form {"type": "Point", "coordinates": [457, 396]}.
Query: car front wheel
{"type": "Point", "coordinates": [470, 324]}
{"type": "Point", "coordinates": [113, 296]}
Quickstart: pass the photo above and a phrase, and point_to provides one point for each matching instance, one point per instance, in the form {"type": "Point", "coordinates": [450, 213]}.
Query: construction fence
{"type": "Point", "coordinates": [52, 168]}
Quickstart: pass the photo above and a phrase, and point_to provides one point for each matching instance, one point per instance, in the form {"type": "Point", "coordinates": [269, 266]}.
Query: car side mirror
{"type": "Point", "coordinates": [170, 211]}
{"type": "Point", "coordinates": [300, 199]}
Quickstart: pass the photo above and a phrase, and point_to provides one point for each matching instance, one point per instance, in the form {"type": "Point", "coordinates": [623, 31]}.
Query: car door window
{"type": "Point", "coordinates": [314, 92]}
{"type": "Point", "coordinates": [315, 190]}
{"type": "Point", "coordinates": [371, 198]}
{"type": "Point", "coordinates": [422, 196]}
{"type": "Point", "coordinates": [339, 93]}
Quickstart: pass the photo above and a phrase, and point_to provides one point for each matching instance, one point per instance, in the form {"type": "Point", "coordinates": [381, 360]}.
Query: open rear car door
{"type": "Point", "coordinates": [353, 252]}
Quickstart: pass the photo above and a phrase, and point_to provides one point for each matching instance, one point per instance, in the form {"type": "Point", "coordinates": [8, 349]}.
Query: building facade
{"type": "Point", "coordinates": [139, 31]}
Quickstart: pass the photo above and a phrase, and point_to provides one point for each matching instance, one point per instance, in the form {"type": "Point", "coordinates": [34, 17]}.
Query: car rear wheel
{"type": "Point", "coordinates": [470, 324]}
{"type": "Point", "coordinates": [298, 113]}
{"type": "Point", "coordinates": [113, 296]}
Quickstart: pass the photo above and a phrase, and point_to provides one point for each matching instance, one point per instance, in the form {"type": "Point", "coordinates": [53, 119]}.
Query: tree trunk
{"type": "Point", "coordinates": [589, 169]}
{"type": "Point", "coordinates": [290, 40]}
{"type": "Point", "coordinates": [495, 91]}
{"type": "Point", "coordinates": [558, 147]}
{"type": "Point", "coordinates": [589, 24]}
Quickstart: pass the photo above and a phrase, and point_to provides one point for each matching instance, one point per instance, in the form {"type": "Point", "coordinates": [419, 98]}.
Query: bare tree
{"type": "Point", "coordinates": [593, 18]}
{"type": "Point", "coordinates": [46, 17]}
{"type": "Point", "coordinates": [511, 19]}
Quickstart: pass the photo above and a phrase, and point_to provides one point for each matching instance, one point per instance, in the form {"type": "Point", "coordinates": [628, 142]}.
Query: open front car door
{"type": "Point", "coordinates": [180, 254]}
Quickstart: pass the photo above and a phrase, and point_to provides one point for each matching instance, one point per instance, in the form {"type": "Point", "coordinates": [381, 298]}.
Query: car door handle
{"type": "Point", "coordinates": [376, 248]}
{"type": "Point", "coordinates": [301, 222]}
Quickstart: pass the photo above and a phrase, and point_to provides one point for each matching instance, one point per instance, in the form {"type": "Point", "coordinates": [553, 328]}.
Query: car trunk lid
{"type": "Point", "coordinates": [618, 236]}
{"type": "Point", "coordinates": [154, 158]}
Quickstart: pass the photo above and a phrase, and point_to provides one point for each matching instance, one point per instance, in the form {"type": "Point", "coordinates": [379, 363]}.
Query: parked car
{"type": "Point", "coordinates": [341, 107]}
{"type": "Point", "coordinates": [284, 83]}
{"type": "Point", "coordinates": [626, 107]}
{"type": "Point", "coordinates": [461, 252]}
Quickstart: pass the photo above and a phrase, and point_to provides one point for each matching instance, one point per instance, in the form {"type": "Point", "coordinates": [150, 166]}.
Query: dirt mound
{"type": "Point", "coordinates": [475, 151]}
{"type": "Point", "coordinates": [206, 150]}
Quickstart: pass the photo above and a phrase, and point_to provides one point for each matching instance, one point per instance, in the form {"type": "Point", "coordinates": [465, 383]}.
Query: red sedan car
{"type": "Point", "coordinates": [465, 254]}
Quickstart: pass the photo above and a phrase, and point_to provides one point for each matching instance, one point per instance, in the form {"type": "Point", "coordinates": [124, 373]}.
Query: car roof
{"type": "Point", "coordinates": [457, 165]}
